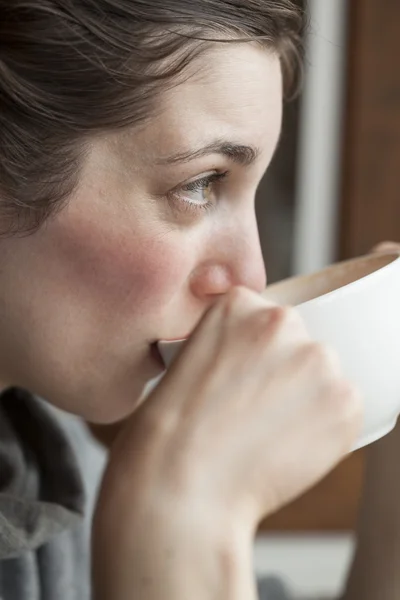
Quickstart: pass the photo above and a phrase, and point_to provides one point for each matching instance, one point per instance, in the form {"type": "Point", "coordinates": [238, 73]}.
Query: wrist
{"type": "Point", "coordinates": [184, 552]}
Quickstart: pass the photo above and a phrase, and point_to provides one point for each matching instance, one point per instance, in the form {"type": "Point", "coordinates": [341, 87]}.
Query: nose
{"type": "Point", "coordinates": [234, 258]}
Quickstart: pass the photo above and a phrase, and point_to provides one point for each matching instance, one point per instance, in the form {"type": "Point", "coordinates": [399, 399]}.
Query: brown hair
{"type": "Point", "coordinates": [71, 69]}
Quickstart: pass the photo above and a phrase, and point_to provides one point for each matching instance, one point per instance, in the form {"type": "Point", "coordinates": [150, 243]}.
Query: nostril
{"type": "Point", "coordinates": [211, 280]}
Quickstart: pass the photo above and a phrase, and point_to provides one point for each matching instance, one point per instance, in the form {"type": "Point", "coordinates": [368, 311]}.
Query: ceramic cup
{"type": "Point", "coordinates": [354, 307]}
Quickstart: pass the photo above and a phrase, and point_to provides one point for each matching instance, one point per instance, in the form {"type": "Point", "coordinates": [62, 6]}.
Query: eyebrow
{"type": "Point", "coordinates": [238, 153]}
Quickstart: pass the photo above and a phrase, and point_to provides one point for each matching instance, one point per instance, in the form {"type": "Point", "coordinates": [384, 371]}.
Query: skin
{"type": "Point", "coordinates": [129, 261]}
{"type": "Point", "coordinates": [250, 414]}
{"type": "Point", "coordinates": [121, 267]}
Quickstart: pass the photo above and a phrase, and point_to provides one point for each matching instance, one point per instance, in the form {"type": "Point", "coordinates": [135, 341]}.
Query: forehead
{"type": "Point", "coordinates": [233, 91]}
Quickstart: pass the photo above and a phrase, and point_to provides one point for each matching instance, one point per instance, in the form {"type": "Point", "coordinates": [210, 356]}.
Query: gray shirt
{"type": "Point", "coordinates": [44, 535]}
{"type": "Point", "coordinates": [49, 473]}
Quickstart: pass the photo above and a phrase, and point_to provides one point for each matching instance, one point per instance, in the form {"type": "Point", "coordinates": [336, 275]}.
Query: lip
{"type": "Point", "coordinates": [172, 341]}
{"type": "Point", "coordinates": [182, 338]}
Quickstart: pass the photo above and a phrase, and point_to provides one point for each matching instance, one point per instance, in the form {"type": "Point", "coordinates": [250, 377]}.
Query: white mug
{"type": "Point", "coordinates": [354, 307]}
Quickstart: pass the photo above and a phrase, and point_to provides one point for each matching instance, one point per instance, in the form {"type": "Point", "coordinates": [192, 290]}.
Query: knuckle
{"type": "Point", "coordinates": [348, 408]}
{"type": "Point", "coordinates": [237, 294]}
{"type": "Point", "coordinates": [267, 322]}
{"type": "Point", "coordinates": [277, 323]}
{"type": "Point", "coordinates": [271, 316]}
{"type": "Point", "coordinates": [291, 318]}
{"type": "Point", "coordinates": [278, 317]}
{"type": "Point", "coordinates": [234, 299]}
{"type": "Point", "coordinates": [260, 321]}
{"type": "Point", "coordinates": [282, 315]}
{"type": "Point", "coordinates": [348, 402]}
{"type": "Point", "coordinates": [321, 358]}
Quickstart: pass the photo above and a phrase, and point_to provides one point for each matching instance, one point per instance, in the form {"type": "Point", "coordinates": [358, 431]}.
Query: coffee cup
{"type": "Point", "coordinates": [354, 307]}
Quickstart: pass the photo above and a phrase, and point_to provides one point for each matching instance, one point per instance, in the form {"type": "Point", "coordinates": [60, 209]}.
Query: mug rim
{"type": "Point", "coordinates": [342, 289]}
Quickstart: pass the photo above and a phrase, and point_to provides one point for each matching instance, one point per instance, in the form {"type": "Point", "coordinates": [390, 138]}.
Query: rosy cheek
{"type": "Point", "coordinates": [118, 271]}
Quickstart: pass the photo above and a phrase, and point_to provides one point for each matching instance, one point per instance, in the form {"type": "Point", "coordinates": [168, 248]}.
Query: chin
{"type": "Point", "coordinates": [103, 398]}
{"type": "Point", "coordinates": [121, 401]}
{"type": "Point", "coordinates": [114, 407]}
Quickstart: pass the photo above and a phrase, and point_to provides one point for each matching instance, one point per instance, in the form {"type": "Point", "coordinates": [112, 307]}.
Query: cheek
{"type": "Point", "coordinates": [120, 270]}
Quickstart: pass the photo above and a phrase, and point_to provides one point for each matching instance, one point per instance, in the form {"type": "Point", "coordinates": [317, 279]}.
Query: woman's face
{"type": "Point", "coordinates": [162, 223]}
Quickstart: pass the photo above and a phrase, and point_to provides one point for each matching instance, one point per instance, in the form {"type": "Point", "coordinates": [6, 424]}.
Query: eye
{"type": "Point", "coordinates": [198, 194]}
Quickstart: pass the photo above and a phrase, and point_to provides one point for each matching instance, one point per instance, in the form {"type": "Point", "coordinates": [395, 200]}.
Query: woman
{"type": "Point", "coordinates": [133, 137]}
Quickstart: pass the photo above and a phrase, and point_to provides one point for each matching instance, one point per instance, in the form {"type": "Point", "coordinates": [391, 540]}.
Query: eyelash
{"type": "Point", "coordinates": [175, 197]}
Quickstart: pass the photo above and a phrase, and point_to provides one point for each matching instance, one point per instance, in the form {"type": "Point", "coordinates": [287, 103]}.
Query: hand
{"type": "Point", "coordinates": [107, 434]}
{"type": "Point", "coordinates": [251, 414]}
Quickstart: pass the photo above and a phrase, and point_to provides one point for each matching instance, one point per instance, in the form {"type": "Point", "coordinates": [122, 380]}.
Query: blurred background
{"type": "Point", "coordinates": [332, 193]}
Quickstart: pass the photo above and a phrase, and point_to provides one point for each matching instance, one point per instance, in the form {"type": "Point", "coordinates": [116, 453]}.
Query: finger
{"type": "Point", "coordinates": [386, 247]}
